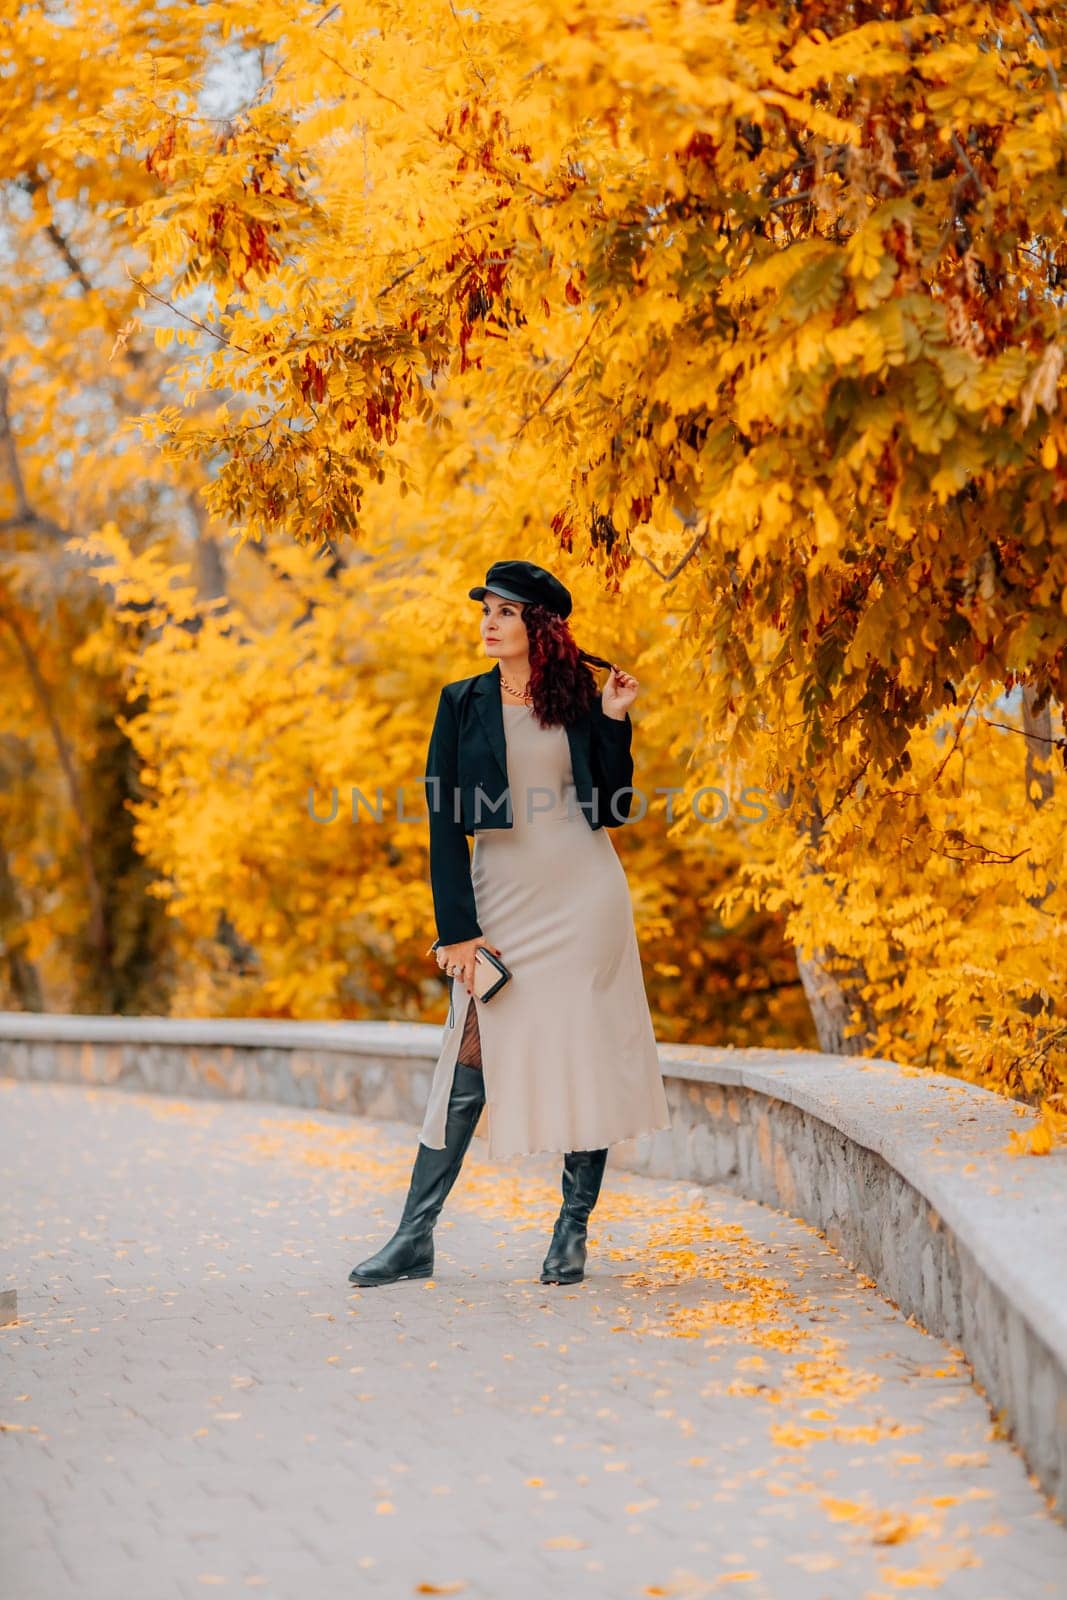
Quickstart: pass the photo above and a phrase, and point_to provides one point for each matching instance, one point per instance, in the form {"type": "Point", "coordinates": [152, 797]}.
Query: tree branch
{"type": "Point", "coordinates": [1035, 34]}
{"type": "Point", "coordinates": [97, 924]}
{"type": "Point", "coordinates": [564, 375]}
{"type": "Point", "coordinates": [669, 577]}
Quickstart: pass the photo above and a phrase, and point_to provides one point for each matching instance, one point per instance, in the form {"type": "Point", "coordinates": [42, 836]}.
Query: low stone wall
{"type": "Point", "coordinates": [906, 1172]}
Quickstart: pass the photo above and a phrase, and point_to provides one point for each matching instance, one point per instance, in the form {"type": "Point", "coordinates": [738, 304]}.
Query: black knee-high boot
{"type": "Point", "coordinates": [582, 1174]}
{"type": "Point", "coordinates": [409, 1253]}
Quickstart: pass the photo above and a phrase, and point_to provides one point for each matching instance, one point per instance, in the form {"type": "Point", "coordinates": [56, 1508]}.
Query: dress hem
{"type": "Point", "coordinates": [560, 1149]}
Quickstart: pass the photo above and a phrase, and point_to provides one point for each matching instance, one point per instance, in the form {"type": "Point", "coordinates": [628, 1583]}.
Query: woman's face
{"type": "Point", "coordinates": [503, 630]}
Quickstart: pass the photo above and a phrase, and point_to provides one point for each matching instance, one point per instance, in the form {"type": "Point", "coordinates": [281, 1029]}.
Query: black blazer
{"type": "Point", "coordinates": [466, 783]}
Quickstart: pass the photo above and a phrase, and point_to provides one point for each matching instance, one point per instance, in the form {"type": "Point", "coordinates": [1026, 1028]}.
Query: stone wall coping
{"type": "Point", "coordinates": [277, 1033]}
{"type": "Point", "coordinates": [947, 1139]}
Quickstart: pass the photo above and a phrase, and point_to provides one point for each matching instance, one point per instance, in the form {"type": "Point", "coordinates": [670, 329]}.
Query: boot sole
{"type": "Point", "coordinates": [374, 1283]}
{"type": "Point", "coordinates": [575, 1277]}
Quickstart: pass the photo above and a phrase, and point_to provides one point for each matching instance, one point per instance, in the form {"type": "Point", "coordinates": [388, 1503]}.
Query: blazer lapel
{"type": "Point", "coordinates": [488, 704]}
{"type": "Point", "coordinates": [578, 739]}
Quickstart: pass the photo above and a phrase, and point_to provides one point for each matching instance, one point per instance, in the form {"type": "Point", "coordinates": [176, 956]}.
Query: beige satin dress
{"type": "Point", "coordinates": [569, 1055]}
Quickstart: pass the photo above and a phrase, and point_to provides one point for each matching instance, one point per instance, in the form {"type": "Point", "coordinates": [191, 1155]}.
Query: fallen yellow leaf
{"type": "Point", "coordinates": [913, 1577]}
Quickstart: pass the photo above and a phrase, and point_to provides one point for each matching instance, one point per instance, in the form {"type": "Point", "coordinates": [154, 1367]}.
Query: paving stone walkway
{"type": "Point", "coordinates": [194, 1400]}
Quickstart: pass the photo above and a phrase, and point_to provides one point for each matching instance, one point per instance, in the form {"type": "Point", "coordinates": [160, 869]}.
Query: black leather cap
{"type": "Point", "coordinates": [521, 580]}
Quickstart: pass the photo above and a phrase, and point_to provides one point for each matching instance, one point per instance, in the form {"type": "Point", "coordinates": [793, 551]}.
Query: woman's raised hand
{"type": "Point", "coordinates": [619, 693]}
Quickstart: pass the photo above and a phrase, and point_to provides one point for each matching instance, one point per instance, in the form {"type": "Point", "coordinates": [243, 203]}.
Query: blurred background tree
{"type": "Point", "coordinates": [748, 321]}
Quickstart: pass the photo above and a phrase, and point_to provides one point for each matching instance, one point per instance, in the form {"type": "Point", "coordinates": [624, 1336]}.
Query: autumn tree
{"type": "Point", "coordinates": [752, 311]}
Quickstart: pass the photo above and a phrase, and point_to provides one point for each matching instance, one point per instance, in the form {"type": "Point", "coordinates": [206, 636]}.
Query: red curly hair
{"type": "Point", "coordinates": [562, 682]}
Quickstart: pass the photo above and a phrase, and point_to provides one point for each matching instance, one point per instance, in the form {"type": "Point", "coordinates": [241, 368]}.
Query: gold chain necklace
{"type": "Point", "coordinates": [520, 694]}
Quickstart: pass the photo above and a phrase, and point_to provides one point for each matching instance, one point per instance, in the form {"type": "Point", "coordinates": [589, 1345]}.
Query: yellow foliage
{"type": "Point", "coordinates": [751, 330]}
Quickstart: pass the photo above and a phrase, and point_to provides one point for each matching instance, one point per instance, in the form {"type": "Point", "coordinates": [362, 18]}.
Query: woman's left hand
{"type": "Point", "coordinates": [619, 693]}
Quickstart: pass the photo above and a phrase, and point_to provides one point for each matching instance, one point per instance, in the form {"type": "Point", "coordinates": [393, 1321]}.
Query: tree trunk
{"type": "Point", "coordinates": [832, 1006]}
{"type": "Point", "coordinates": [24, 984]}
{"type": "Point", "coordinates": [832, 991]}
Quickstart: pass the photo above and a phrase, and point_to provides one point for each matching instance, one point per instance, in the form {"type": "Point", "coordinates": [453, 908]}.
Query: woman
{"type": "Point", "coordinates": [534, 762]}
